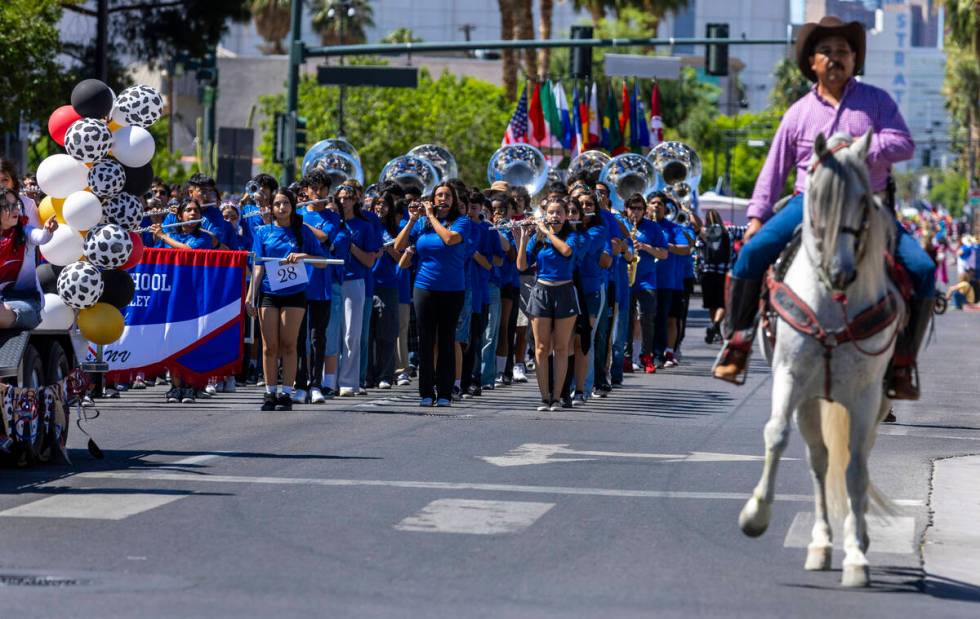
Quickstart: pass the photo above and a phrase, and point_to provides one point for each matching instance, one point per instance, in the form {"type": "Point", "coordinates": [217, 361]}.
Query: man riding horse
{"type": "Point", "coordinates": [829, 53]}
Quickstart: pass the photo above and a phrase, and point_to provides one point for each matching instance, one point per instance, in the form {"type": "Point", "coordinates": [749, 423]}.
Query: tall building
{"type": "Point", "coordinates": [753, 20]}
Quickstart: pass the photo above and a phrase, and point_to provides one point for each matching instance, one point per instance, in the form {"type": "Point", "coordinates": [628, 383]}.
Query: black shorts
{"type": "Point", "coordinates": [509, 292]}
{"type": "Point", "coordinates": [678, 305]}
{"type": "Point", "coordinates": [297, 300]}
{"type": "Point", "coordinates": [553, 301]}
{"type": "Point", "coordinates": [713, 290]}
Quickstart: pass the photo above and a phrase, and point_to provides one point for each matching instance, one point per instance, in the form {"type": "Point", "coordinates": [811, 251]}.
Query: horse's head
{"type": "Point", "coordinates": [842, 220]}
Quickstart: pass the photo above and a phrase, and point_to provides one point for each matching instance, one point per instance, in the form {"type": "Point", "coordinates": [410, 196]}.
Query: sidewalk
{"type": "Point", "coordinates": [951, 551]}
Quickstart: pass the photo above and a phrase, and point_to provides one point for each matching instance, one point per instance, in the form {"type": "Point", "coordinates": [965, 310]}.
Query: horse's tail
{"type": "Point", "coordinates": [835, 425]}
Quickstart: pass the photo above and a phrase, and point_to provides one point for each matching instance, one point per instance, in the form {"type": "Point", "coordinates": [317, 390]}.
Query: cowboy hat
{"type": "Point", "coordinates": [812, 32]}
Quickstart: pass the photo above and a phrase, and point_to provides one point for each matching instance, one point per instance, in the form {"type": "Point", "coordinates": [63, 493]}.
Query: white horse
{"type": "Point", "coordinates": [832, 351]}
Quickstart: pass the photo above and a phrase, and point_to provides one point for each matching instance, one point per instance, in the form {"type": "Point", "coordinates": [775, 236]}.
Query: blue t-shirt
{"type": "Point", "coordinates": [385, 268]}
{"type": "Point", "coordinates": [441, 267]}
{"type": "Point", "coordinates": [651, 233]}
{"type": "Point", "coordinates": [506, 274]}
{"type": "Point", "coordinates": [194, 240]}
{"type": "Point", "coordinates": [364, 236]}
{"type": "Point", "coordinates": [340, 249]}
{"type": "Point", "coordinates": [552, 266]}
{"type": "Point", "coordinates": [377, 229]}
{"type": "Point", "coordinates": [321, 280]}
{"type": "Point", "coordinates": [595, 242]}
{"type": "Point", "coordinates": [272, 241]}
{"type": "Point", "coordinates": [215, 223]}
{"type": "Point", "coordinates": [490, 248]}
{"type": "Point", "coordinates": [669, 269]}
{"type": "Point", "coordinates": [685, 266]}
{"type": "Point", "coordinates": [611, 224]}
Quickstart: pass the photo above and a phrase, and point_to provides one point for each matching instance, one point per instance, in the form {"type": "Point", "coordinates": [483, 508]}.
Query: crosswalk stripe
{"type": "Point", "coordinates": [475, 517]}
{"type": "Point", "coordinates": [895, 534]}
{"type": "Point", "coordinates": [91, 505]}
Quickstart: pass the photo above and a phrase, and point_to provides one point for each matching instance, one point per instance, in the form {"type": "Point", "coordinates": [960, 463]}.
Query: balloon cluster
{"type": "Point", "coordinates": [92, 191]}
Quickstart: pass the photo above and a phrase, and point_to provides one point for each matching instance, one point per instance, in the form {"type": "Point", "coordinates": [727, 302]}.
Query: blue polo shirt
{"type": "Point", "coordinates": [441, 267]}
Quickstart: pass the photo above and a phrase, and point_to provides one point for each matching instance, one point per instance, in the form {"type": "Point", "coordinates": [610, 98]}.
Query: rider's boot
{"type": "Point", "coordinates": [738, 328]}
{"type": "Point", "coordinates": [903, 376]}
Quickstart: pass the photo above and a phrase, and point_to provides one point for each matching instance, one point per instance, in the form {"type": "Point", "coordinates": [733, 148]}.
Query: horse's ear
{"type": "Point", "coordinates": [820, 146]}
{"type": "Point", "coordinates": [862, 145]}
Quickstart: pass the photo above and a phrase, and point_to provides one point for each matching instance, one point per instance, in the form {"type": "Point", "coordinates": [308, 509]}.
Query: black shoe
{"type": "Point", "coordinates": [284, 402]}
{"type": "Point", "coordinates": [566, 402]}
{"type": "Point", "coordinates": [173, 395]}
{"type": "Point", "coordinates": [328, 392]}
{"type": "Point", "coordinates": [268, 402]}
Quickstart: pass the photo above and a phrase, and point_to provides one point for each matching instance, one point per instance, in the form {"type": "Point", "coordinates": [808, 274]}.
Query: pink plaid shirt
{"type": "Point", "coordinates": [861, 107]}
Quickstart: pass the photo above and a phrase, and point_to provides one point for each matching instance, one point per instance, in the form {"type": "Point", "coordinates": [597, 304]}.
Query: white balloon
{"type": "Point", "coordinates": [55, 315]}
{"type": "Point", "coordinates": [65, 247]}
{"type": "Point", "coordinates": [133, 146]}
{"type": "Point", "coordinates": [82, 210]}
{"type": "Point", "coordinates": [61, 175]}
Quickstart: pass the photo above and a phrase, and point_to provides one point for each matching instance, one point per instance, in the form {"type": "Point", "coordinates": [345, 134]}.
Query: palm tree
{"type": "Point", "coordinates": [508, 56]}
{"type": "Point", "coordinates": [544, 30]}
{"type": "Point", "coordinates": [654, 10]}
{"type": "Point", "coordinates": [789, 84]}
{"type": "Point", "coordinates": [525, 30]}
{"type": "Point", "coordinates": [401, 35]}
{"type": "Point", "coordinates": [354, 25]}
{"type": "Point", "coordinates": [596, 8]}
{"type": "Point", "coordinates": [271, 19]}
{"type": "Point", "coordinates": [963, 23]}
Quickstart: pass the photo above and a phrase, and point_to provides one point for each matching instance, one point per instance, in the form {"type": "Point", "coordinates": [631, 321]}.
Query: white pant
{"type": "Point", "coordinates": [349, 370]}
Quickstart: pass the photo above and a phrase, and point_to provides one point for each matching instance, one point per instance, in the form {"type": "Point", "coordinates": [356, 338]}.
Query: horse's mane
{"type": "Point", "coordinates": [842, 180]}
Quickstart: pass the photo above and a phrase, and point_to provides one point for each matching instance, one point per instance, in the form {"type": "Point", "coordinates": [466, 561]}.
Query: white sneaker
{"type": "Point", "coordinates": [299, 396]}
{"type": "Point", "coordinates": [519, 375]}
{"type": "Point", "coordinates": [499, 380]}
{"type": "Point", "coordinates": [230, 385]}
{"type": "Point", "coordinates": [346, 392]}
{"type": "Point", "coordinates": [384, 385]}
{"type": "Point", "coordinates": [316, 396]}
{"type": "Point", "coordinates": [404, 380]}
{"type": "Point", "coordinates": [211, 389]}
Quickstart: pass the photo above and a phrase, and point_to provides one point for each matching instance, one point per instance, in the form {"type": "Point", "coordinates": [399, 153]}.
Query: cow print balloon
{"type": "Point", "coordinates": [137, 106]}
{"type": "Point", "coordinates": [88, 140]}
{"type": "Point", "coordinates": [80, 285]}
{"type": "Point", "coordinates": [108, 246]}
{"type": "Point", "coordinates": [124, 210]}
{"type": "Point", "coordinates": [107, 178]}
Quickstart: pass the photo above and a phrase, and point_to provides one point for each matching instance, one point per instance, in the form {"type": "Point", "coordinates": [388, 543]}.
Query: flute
{"type": "Point", "coordinates": [528, 223]}
{"type": "Point", "coordinates": [176, 224]}
{"type": "Point", "coordinates": [304, 260]}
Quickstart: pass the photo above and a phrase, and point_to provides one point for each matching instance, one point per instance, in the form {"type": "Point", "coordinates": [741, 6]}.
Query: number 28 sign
{"type": "Point", "coordinates": [282, 275]}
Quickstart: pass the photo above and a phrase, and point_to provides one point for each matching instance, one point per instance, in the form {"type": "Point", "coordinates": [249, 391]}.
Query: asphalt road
{"type": "Point", "coordinates": [372, 507]}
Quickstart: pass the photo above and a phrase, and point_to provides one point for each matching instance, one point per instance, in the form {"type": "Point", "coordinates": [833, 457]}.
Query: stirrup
{"type": "Point", "coordinates": [725, 358]}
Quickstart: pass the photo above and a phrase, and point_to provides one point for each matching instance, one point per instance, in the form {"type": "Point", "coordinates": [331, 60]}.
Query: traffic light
{"type": "Point", "coordinates": [581, 56]}
{"type": "Point", "coordinates": [716, 55]}
{"type": "Point", "coordinates": [299, 138]}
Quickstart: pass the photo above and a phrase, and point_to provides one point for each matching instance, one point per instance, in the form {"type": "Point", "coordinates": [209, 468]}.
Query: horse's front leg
{"type": "Point", "coordinates": [754, 518]}
{"type": "Point", "coordinates": [821, 546]}
{"type": "Point", "coordinates": [856, 540]}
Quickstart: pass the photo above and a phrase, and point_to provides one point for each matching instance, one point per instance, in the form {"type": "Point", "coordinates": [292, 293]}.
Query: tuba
{"type": "Point", "coordinates": [679, 167]}
{"type": "Point", "coordinates": [519, 165]}
{"type": "Point", "coordinates": [337, 158]}
{"type": "Point", "coordinates": [588, 166]}
{"type": "Point", "coordinates": [628, 174]}
{"type": "Point", "coordinates": [411, 173]}
{"type": "Point", "coordinates": [440, 158]}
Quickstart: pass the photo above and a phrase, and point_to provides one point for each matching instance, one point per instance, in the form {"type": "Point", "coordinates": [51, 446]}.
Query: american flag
{"type": "Point", "coordinates": [517, 128]}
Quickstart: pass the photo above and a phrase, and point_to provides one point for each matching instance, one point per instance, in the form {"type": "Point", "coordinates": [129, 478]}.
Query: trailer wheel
{"type": "Point", "coordinates": [31, 369]}
{"type": "Point", "coordinates": [56, 366]}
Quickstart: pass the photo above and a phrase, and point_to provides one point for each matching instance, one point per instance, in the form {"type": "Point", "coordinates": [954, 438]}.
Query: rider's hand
{"type": "Point", "coordinates": [754, 224]}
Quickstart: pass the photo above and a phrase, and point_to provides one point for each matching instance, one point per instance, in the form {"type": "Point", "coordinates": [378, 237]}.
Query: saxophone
{"type": "Point", "coordinates": [631, 267]}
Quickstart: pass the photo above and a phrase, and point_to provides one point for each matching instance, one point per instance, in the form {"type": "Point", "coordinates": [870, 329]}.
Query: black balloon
{"type": "Point", "coordinates": [138, 180]}
{"type": "Point", "coordinates": [47, 276]}
{"type": "Point", "coordinates": [119, 288]}
{"type": "Point", "coordinates": [92, 98]}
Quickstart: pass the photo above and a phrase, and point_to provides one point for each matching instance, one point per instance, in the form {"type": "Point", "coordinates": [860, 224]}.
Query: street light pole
{"type": "Point", "coordinates": [292, 87]}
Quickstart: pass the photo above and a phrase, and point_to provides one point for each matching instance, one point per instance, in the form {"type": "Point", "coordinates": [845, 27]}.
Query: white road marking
{"type": "Point", "coordinates": [201, 459]}
{"type": "Point", "coordinates": [93, 506]}
{"type": "Point", "coordinates": [430, 485]}
{"type": "Point", "coordinates": [537, 453]}
{"type": "Point", "coordinates": [475, 517]}
{"type": "Point", "coordinates": [905, 432]}
{"type": "Point", "coordinates": [895, 534]}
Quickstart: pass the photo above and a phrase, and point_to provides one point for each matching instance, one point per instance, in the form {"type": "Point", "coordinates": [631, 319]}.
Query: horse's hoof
{"type": "Point", "coordinates": [855, 576]}
{"type": "Point", "coordinates": [754, 518]}
{"type": "Point", "coordinates": [818, 558]}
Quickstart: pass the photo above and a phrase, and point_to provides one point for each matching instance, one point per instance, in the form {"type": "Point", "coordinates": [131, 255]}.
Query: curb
{"type": "Point", "coordinates": [951, 549]}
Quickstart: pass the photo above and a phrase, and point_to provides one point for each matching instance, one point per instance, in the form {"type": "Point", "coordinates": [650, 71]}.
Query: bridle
{"type": "Point", "coordinates": [859, 233]}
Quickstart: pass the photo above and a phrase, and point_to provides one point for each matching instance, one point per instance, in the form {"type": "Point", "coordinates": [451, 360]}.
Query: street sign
{"type": "Point", "coordinates": [391, 77]}
{"type": "Point", "coordinates": [634, 65]}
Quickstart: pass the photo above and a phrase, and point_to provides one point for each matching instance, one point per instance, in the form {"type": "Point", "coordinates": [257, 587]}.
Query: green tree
{"type": "Point", "coordinates": [401, 35]}
{"type": "Point", "coordinates": [790, 84]}
{"type": "Point", "coordinates": [466, 115]}
{"type": "Point", "coordinates": [271, 18]}
{"type": "Point", "coordinates": [734, 133]}
{"type": "Point", "coordinates": [335, 26]}
{"type": "Point", "coordinates": [949, 189]}
{"type": "Point", "coordinates": [29, 45]}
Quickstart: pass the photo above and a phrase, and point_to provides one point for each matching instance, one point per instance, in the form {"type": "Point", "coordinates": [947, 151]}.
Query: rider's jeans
{"type": "Point", "coordinates": [764, 248]}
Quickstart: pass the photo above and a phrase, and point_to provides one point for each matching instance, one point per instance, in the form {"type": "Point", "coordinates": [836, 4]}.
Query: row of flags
{"type": "Point", "coordinates": [545, 119]}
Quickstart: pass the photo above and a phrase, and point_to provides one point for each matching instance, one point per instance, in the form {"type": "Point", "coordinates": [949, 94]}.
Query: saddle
{"type": "Point", "coordinates": [778, 299]}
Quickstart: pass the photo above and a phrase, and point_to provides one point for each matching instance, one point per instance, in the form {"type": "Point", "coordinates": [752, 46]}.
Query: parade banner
{"type": "Point", "coordinates": [186, 316]}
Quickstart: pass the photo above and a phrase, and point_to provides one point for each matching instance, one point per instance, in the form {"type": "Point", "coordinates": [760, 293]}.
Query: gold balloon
{"type": "Point", "coordinates": [51, 206]}
{"type": "Point", "coordinates": [113, 125]}
{"type": "Point", "coordinates": [101, 324]}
